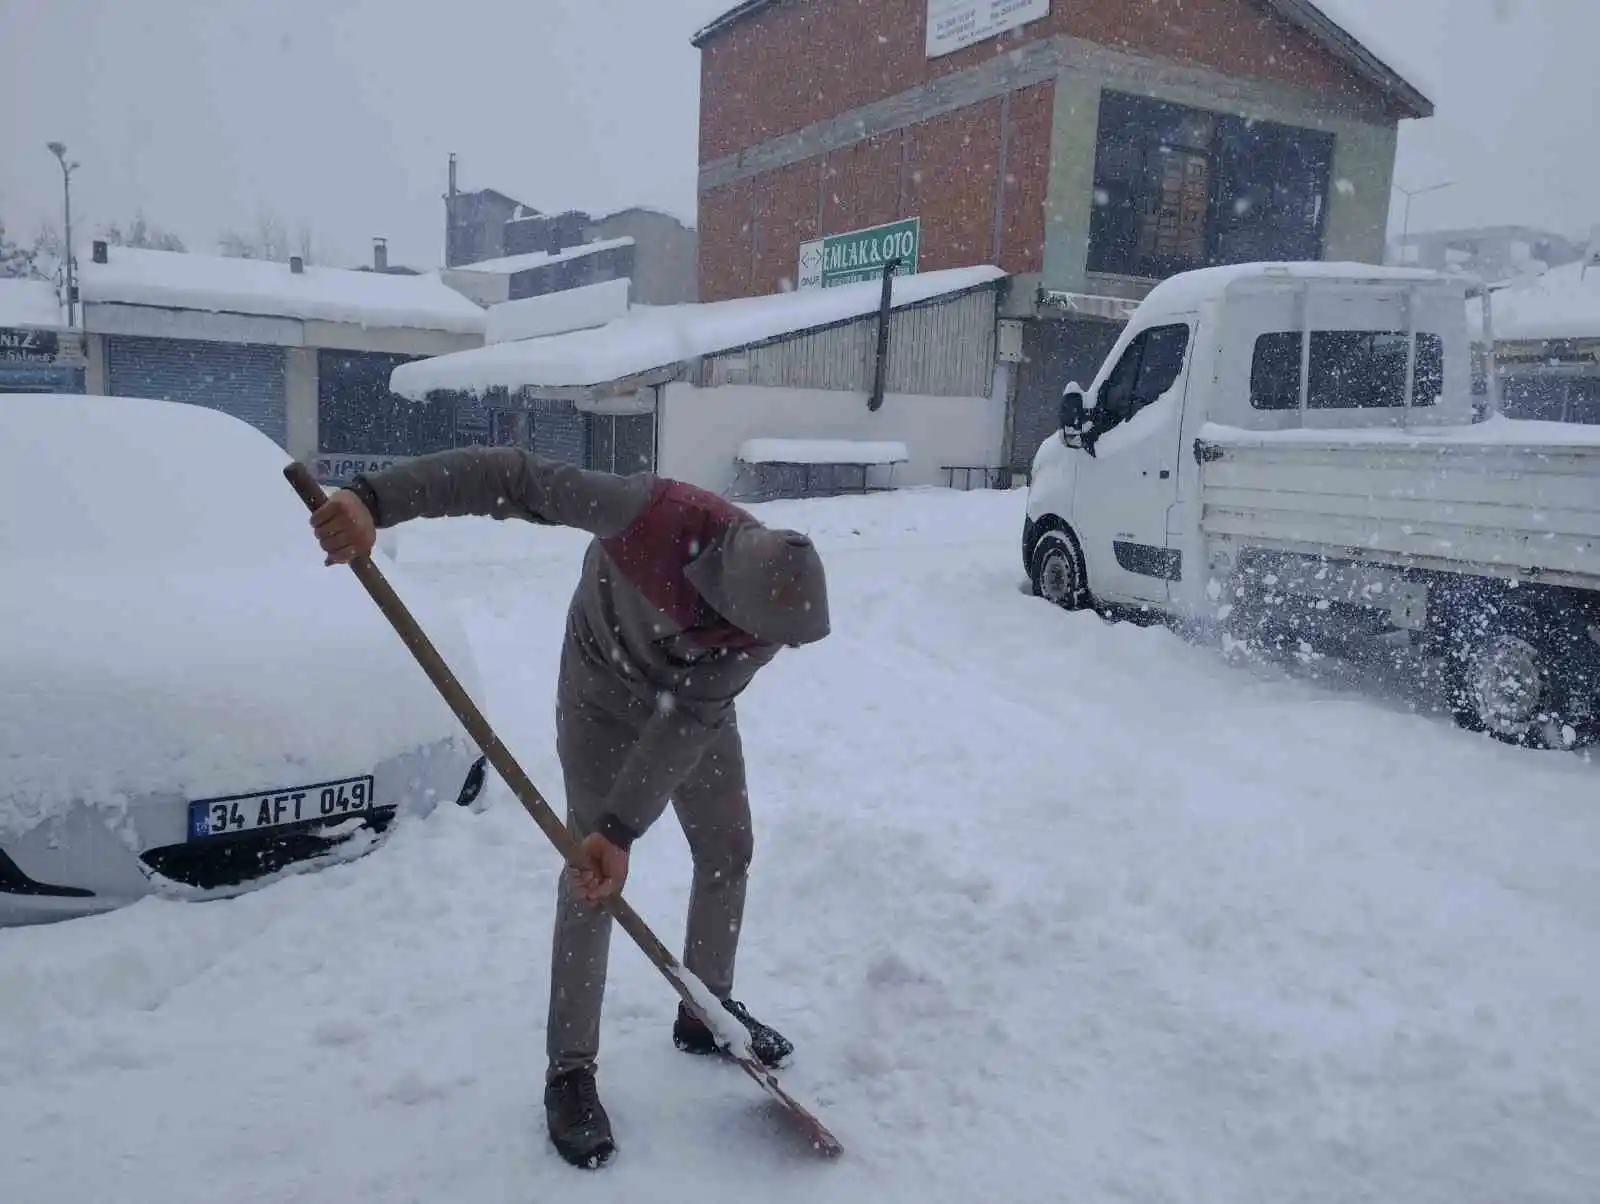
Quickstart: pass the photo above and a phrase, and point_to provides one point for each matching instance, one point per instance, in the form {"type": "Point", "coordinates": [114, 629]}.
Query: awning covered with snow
{"type": "Point", "coordinates": [650, 345]}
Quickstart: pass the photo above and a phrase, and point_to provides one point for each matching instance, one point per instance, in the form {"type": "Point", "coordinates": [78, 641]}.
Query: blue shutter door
{"type": "Point", "coordinates": [559, 432]}
{"type": "Point", "coordinates": [242, 379]}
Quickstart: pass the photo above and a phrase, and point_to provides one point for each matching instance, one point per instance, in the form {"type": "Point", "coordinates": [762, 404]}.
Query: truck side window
{"type": "Point", "coordinates": [1148, 368]}
{"type": "Point", "coordinates": [1350, 370]}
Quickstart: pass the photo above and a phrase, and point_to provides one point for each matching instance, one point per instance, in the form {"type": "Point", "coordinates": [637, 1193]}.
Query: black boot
{"type": "Point", "coordinates": [692, 1036]}
{"type": "Point", "coordinates": [579, 1127]}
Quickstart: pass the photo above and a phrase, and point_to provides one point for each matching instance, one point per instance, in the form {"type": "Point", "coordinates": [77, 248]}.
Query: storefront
{"type": "Point", "coordinates": [240, 379]}
{"type": "Point", "coordinates": [362, 426]}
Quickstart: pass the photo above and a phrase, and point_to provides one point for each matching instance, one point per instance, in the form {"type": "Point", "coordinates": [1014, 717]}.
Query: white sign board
{"type": "Point", "coordinates": [953, 24]}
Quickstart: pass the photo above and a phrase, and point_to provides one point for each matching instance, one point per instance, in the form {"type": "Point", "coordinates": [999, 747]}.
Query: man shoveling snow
{"type": "Point", "coordinates": [682, 598]}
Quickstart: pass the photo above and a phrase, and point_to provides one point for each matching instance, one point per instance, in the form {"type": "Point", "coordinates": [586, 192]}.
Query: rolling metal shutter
{"type": "Point", "coordinates": [242, 379]}
{"type": "Point", "coordinates": [560, 432]}
{"type": "Point", "coordinates": [622, 444]}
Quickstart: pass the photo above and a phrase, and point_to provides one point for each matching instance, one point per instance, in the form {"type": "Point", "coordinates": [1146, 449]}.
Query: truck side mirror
{"type": "Point", "coordinates": [1075, 423]}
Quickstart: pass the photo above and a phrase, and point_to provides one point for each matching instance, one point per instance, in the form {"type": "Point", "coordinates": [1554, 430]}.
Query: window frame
{"type": "Point", "coordinates": [1146, 147]}
{"type": "Point", "coordinates": [1285, 396]}
{"type": "Point", "coordinates": [1139, 345]}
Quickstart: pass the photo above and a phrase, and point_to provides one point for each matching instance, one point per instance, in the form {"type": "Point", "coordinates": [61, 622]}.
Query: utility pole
{"type": "Point", "coordinates": [1409, 193]}
{"type": "Point", "coordinates": [59, 150]}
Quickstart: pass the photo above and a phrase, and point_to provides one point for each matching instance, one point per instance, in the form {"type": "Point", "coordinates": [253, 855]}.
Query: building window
{"type": "Point", "coordinates": [1177, 188]}
{"type": "Point", "coordinates": [1149, 367]}
{"type": "Point", "coordinates": [357, 415]}
{"type": "Point", "coordinates": [1350, 370]}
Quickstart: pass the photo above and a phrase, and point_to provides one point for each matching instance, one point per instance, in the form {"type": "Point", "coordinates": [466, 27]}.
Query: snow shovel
{"type": "Point", "coordinates": [694, 993]}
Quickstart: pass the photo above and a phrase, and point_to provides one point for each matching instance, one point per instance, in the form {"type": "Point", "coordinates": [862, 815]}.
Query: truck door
{"type": "Point", "coordinates": [1126, 488]}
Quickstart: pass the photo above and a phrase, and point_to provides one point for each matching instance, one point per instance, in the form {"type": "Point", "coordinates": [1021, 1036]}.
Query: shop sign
{"type": "Point", "coordinates": [954, 24]}
{"type": "Point", "coordinates": [860, 254]}
{"type": "Point", "coordinates": [340, 468]}
{"type": "Point", "coordinates": [19, 345]}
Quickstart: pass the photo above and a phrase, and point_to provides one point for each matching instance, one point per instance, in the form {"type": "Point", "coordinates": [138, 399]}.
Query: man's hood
{"type": "Point", "coordinates": [765, 581]}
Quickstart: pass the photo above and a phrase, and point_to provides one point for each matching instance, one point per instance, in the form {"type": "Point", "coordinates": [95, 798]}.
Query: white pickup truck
{"type": "Point", "coordinates": [1289, 453]}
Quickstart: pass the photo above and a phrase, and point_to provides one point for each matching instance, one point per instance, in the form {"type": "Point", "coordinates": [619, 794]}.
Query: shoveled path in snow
{"type": "Point", "coordinates": [1054, 909]}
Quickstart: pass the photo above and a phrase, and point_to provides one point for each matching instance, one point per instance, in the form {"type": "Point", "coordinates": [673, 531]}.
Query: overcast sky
{"type": "Point", "coordinates": [342, 113]}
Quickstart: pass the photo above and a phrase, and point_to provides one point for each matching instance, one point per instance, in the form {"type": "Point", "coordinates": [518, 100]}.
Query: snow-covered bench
{"type": "Point", "coordinates": [815, 467]}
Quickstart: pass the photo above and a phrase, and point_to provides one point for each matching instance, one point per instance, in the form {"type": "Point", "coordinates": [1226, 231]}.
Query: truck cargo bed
{"type": "Point", "coordinates": [1503, 498]}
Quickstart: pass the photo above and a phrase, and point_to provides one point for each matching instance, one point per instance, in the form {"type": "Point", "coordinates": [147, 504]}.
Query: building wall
{"type": "Point", "coordinates": [665, 254]}
{"type": "Point", "coordinates": [475, 225]}
{"type": "Point", "coordinates": [941, 349]}
{"type": "Point", "coordinates": [995, 152]}
{"type": "Point", "coordinates": [975, 176]}
{"type": "Point", "coordinates": [754, 86]}
{"type": "Point", "coordinates": [701, 430]}
{"type": "Point", "coordinates": [300, 387]}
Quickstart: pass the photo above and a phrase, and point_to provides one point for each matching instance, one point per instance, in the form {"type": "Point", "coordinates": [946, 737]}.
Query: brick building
{"type": "Point", "coordinates": [1091, 149]}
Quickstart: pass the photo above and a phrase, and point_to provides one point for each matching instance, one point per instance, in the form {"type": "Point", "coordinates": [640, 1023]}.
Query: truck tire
{"type": "Point", "coordinates": [1057, 572]}
{"type": "Point", "coordinates": [1502, 677]}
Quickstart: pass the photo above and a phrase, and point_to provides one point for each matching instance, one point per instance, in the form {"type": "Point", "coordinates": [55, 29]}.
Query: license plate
{"type": "Point", "coordinates": [279, 808]}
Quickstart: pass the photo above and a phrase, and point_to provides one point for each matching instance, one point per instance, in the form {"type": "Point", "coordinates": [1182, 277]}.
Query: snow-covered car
{"type": "Point", "coordinates": [191, 702]}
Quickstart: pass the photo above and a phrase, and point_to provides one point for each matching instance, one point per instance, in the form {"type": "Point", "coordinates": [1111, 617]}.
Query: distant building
{"type": "Point", "coordinates": [1547, 343]}
{"type": "Point", "coordinates": [1493, 253]}
{"type": "Point", "coordinates": [655, 250]}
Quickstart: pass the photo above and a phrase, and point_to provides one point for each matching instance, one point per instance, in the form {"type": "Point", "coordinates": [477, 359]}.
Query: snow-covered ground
{"type": "Point", "coordinates": [1054, 910]}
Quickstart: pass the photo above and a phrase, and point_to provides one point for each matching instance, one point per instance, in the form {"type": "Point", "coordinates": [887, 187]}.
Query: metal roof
{"type": "Point", "coordinates": [1303, 14]}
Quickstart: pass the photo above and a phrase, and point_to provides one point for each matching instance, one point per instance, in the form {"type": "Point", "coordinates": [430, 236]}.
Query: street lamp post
{"type": "Point", "coordinates": [59, 150]}
{"type": "Point", "coordinates": [1409, 193]}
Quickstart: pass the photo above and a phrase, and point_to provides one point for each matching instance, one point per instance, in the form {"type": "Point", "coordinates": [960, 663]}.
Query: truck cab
{"type": "Point", "coordinates": [1113, 513]}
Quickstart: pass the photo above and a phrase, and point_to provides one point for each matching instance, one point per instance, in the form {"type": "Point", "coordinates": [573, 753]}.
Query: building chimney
{"type": "Point", "coordinates": [452, 175]}
{"type": "Point", "coordinates": [297, 265]}
{"type": "Point", "coordinates": [380, 254]}
{"type": "Point", "coordinates": [100, 250]}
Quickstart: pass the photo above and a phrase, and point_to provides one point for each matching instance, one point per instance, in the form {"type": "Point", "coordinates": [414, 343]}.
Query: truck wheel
{"type": "Point", "coordinates": [1502, 681]}
{"type": "Point", "coordinates": [1057, 571]}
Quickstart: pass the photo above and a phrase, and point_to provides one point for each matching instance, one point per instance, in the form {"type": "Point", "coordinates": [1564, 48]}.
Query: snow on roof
{"type": "Point", "coordinates": [583, 308]}
{"type": "Point", "coordinates": [822, 451]}
{"type": "Point", "coordinates": [1366, 46]}
{"type": "Point", "coordinates": [175, 280]}
{"type": "Point", "coordinates": [651, 337]}
{"type": "Point", "coordinates": [30, 303]}
{"type": "Point", "coordinates": [1332, 24]}
{"type": "Point", "coordinates": [1183, 292]}
{"type": "Point", "coordinates": [540, 259]}
{"type": "Point", "coordinates": [1564, 303]}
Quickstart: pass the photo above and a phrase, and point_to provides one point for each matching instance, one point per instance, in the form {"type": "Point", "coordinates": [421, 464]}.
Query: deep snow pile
{"type": "Point", "coordinates": [1054, 910]}
{"type": "Point", "coordinates": [132, 665]}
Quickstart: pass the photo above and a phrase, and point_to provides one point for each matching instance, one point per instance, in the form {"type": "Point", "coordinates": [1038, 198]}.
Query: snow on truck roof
{"type": "Point", "coordinates": [267, 288]}
{"type": "Point", "coordinates": [1184, 292]}
{"type": "Point", "coordinates": [648, 338]}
